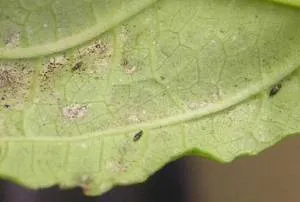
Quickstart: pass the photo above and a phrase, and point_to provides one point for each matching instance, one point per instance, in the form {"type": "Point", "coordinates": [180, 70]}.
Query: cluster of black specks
{"type": "Point", "coordinates": [50, 69]}
{"type": "Point", "coordinates": [97, 48]}
{"type": "Point", "coordinates": [74, 62]}
{"type": "Point", "coordinates": [15, 79]}
{"type": "Point", "coordinates": [4, 104]}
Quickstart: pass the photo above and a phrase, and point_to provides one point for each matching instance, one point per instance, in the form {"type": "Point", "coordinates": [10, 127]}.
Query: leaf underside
{"type": "Point", "coordinates": [100, 93]}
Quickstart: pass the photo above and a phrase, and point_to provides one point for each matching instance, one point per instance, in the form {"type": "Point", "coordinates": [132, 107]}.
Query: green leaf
{"type": "Point", "coordinates": [153, 81]}
{"type": "Point", "coordinates": [289, 2]}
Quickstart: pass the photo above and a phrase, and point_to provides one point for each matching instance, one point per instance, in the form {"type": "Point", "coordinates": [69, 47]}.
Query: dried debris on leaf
{"type": "Point", "coordinates": [75, 111]}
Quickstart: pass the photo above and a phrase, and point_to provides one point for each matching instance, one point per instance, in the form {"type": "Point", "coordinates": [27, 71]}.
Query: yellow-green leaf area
{"type": "Point", "coordinates": [113, 95]}
{"type": "Point", "coordinates": [33, 28]}
{"type": "Point", "coordinates": [295, 3]}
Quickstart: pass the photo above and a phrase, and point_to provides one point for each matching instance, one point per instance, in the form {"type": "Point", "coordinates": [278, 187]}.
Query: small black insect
{"type": "Point", "coordinates": [275, 90]}
{"type": "Point", "coordinates": [77, 66]}
{"type": "Point", "coordinates": [7, 106]}
{"type": "Point", "coordinates": [138, 136]}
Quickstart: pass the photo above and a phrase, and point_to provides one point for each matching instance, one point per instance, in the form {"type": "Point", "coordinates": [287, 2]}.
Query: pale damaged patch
{"type": "Point", "coordinates": [136, 117]}
{"type": "Point", "coordinates": [213, 96]}
{"type": "Point", "coordinates": [15, 81]}
{"type": "Point", "coordinates": [102, 49]}
{"type": "Point", "coordinates": [97, 56]}
{"type": "Point", "coordinates": [124, 33]}
{"type": "Point", "coordinates": [8, 77]}
{"type": "Point", "coordinates": [53, 68]}
{"type": "Point", "coordinates": [12, 40]}
{"type": "Point", "coordinates": [75, 111]}
{"type": "Point", "coordinates": [117, 166]}
{"type": "Point", "coordinates": [58, 60]}
{"type": "Point", "coordinates": [12, 75]}
{"type": "Point", "coordinates": [197, 105]}
{"type": "Point", "coordinates": [128, 68]}
{"type": "Point", "coordinates": [52, 65]}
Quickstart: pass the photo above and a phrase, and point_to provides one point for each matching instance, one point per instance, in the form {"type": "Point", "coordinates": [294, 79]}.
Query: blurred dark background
{"type": "Point", "coordinates": [273, 175]}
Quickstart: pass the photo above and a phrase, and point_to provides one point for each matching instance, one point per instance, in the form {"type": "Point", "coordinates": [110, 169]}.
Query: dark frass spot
{"type": "Point", "coordinates": [275, 90]}
{"type": "Point", "coordinates": [138, 136]}
{"type": "Point", "coordinates": [77, 66]}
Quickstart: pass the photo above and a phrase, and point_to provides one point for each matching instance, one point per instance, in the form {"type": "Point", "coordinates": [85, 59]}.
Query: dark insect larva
{"type": "Point", "coordinates": [77, 66]}
{"type": "Point", "coordinates": [138, 136]}
{"type": "Point", "coordinates": [275, 90]}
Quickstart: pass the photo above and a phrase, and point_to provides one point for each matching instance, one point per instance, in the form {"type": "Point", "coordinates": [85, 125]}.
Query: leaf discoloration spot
{"type": "Point", "coordinates": [15, 82]}
{"type": "Point", "coordinates": [128, 69]}
{"type": "Point", "coordinates": [76, 111]}
{"type": "Point", "coordinates": [8, 77]}
{"type": "Point", "coordinates": [12, 40]}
